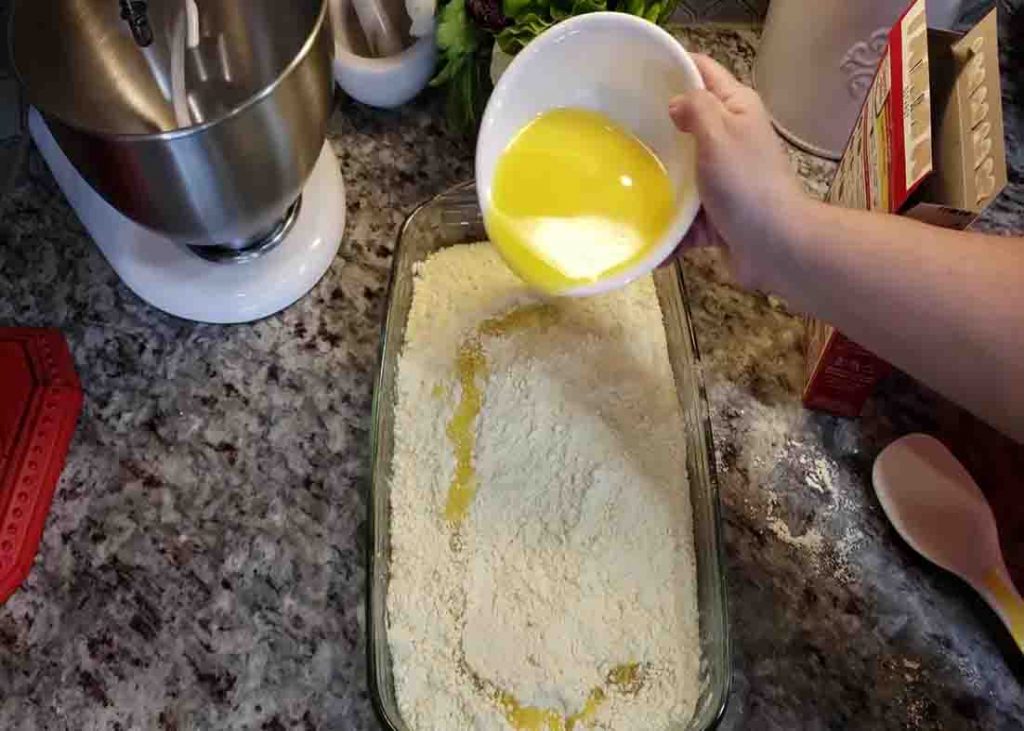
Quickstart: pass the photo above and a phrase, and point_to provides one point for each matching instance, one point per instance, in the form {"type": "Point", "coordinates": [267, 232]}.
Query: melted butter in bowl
{"type": "Point", "coordinates": [577, 199]}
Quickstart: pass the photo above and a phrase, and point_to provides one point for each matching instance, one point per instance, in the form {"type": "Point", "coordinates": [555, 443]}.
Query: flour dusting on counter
{"type": "Point", "coordinates": [542, 572]}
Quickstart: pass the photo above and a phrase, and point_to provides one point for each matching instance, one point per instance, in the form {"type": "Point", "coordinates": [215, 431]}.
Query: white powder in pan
{"type": "Point", "coordinates": [566, 595]}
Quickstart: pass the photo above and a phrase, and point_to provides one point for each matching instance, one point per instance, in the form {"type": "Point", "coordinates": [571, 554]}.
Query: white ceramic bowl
{"type": "Point", "coordinates": [620, 65]}
{"type": "Point", "coordinates": [386, 82]}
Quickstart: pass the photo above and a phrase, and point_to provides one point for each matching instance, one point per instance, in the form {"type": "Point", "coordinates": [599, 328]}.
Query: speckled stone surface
{"type": "Point", "coordinates": [203, 564]}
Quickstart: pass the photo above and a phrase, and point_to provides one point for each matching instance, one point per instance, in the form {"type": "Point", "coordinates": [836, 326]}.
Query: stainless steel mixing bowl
{"type": "Point", "coordinates": [259, 86]}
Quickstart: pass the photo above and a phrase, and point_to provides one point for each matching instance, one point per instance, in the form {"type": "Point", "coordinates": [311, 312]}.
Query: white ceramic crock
{"type": "Point", "coordinates": [818, 58]}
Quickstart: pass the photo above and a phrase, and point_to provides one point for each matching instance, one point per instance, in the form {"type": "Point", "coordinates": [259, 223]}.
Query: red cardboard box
{"type": "Point", "coordinates": [928, 144]}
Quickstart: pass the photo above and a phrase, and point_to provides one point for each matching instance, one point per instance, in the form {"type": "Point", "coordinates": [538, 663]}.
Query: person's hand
{"type": "Point", "coordinates": [750, 196]}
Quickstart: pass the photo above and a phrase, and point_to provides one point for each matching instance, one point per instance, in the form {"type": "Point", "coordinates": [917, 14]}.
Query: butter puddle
{"type": "Point", "coordinates": [471, 373]}
{"type": "Point", "coordinates": [625, 679]}
{"type": "Point", "coordinates": [470, 364]}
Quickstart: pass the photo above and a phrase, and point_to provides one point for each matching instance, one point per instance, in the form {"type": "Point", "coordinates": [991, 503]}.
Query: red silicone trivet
{"type": "Point", "coordinates": [40, 399]}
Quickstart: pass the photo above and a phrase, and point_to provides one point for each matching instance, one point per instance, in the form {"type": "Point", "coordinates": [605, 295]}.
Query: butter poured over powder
{"type": "Point", "coordinates": [542, 573]}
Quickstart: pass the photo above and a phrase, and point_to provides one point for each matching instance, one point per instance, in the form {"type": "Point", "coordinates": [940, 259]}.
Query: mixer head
{"type": "Point", "coordinates": [105, 65]}
{"type": "Point", "coordinates": [257, 85]}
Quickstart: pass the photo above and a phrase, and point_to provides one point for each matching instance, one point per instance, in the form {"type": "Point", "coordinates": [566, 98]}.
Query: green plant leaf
{"type": "Point", "coordinates": [514, 8]}
{"type": "Point", "coordinates": [456, 35]}
{"type": "Point", "coordinates": [466, 94]}
{"type": "Point", "coordinates": [465, 48]}
{"type": "Point", "coordinates": [530, 18]}
{"type": "Point", "coordinates": [579, 7]}
{"type": "Point", "coordinates": [527, 27]}
{"type": "Point", "coordinates": [449, 70]}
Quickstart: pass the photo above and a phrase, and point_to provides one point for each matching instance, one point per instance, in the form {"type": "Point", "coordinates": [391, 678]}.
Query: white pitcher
{"type": "Point", "coordinates": [818, 58]}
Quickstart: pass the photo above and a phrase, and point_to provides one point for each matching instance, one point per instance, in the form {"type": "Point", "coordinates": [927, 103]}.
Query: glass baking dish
{"type": "Point", "coordinates": [454, 218]}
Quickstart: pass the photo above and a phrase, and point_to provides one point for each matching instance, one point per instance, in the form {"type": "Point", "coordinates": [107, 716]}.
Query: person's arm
{"type": "Point", "coordinates": [944, 306]}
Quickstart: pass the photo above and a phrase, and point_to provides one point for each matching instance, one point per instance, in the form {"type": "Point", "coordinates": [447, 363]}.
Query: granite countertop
{"type": "Point", "coordinates": [203, 565]}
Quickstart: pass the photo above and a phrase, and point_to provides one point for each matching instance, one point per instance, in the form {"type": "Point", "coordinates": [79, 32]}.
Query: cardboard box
{"type": "Point", "coordinates": [929, 145]}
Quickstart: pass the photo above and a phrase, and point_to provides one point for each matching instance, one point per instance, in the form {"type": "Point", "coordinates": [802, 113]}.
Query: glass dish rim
{"type": "Point", "coordinates": [375, 692]}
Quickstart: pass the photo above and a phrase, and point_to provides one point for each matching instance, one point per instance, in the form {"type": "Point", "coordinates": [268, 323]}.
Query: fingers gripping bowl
{"type": "Point", "coordinates": [627, 69]}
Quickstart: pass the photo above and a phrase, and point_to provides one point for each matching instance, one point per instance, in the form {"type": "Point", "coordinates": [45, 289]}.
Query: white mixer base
{"type": "Point", "coordinates": [173, 279]}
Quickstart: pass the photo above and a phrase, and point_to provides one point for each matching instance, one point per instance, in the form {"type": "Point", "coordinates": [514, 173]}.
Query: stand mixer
{"type": "Point", "coordinates": [189, 137]}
